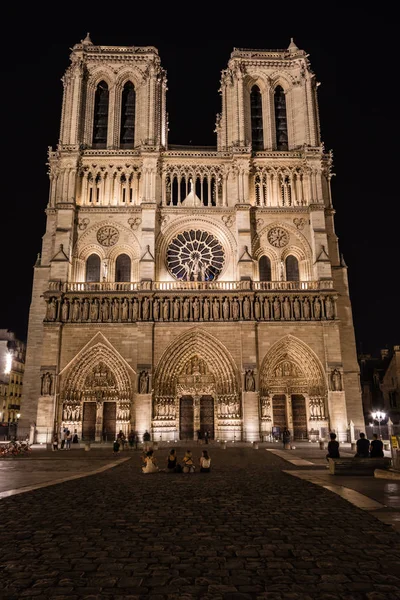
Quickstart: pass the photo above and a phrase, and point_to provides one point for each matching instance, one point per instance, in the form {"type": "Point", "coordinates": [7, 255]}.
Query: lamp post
{"type": "Point", "coordinates": [379, 415]}
{"type": "Point", "coordinates": [16, 427]}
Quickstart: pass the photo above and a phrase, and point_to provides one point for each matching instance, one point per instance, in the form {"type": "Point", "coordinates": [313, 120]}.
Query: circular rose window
{"type": "Point", "coordinates": [195, 255]}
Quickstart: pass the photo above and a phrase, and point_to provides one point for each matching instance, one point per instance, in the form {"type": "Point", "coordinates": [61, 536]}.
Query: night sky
{"type": "Point", "coordinates": [359, 116]}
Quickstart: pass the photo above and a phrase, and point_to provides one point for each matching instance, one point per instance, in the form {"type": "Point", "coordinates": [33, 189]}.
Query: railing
{"type": "Point", "coordinates": [245, 285]}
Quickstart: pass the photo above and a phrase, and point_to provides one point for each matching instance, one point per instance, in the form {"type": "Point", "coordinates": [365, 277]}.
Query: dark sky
{"type": "Point", "coordinates": [358, 104]}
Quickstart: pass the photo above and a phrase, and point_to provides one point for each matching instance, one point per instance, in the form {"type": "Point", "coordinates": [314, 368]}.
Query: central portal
{"type": "Point", "coordinates": [187, 428]}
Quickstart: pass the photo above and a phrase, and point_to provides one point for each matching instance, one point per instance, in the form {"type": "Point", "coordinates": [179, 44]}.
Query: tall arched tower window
{"type": "Point", "coordinates": [292, 268]}
{"type": "Point", "coordinates": [100, 119]}
{"type": "Point", "coordinates": [127, 133]}
{"type": "Point", "coordinates": [93, 268]}
{"type": "Point", "coordinates": [123, 268]}
{"type": "Point", "coordinates": [257, 138]}
{"type": "Point", "coordinates": [264, 267]}
{"type": "Point", "coordinates": [280, 119]}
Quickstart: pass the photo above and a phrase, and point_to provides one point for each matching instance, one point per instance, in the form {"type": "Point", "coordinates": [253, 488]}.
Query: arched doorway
{"type": "Point", "coordinates": [197, 379]}
{"type": "Point", "coordinates": [293, 390]}
{"type": "Point", "coordinates": [96, 395]}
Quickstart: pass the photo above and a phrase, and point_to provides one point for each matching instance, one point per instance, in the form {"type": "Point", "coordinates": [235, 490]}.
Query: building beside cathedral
{"type": "Point", "coordinates": [185, 288]}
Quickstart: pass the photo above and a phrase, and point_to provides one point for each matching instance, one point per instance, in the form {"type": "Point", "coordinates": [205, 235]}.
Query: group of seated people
{"type": "Point", "coordinates": [365, 448]}
{"type": "Point", "coordinates": [173, 466]}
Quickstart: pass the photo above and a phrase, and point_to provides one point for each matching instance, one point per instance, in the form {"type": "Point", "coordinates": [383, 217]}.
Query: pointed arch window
{"type": "Point", "coordinates": [100, 119]}
{"type": "Point", "coordinates": [93, 268]}
{"type": "Point", "coordinates": [127, 133]}
{"type": "Point", "coordinates": [280, 119]}
{"type": "Point", "coordinates": [292, 268]}
{"type": "Point", "coordinates": [123, 268]}
{"type": "Point", "coordinates": [257, 137]}
{"type": "Point", "coordinates": [264, 267]}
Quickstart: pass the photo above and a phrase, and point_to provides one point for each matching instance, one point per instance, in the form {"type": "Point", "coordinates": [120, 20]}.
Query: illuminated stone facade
{"type": "Point", "coordinates": [186, 288]}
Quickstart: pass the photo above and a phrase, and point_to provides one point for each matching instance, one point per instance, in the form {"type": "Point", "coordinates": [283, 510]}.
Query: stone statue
{"type": "Point", "coordinates": [296, 309]}
{"type": "Point", "coordinates": [328, 308]}
{"type": "Point", "coordinates": [105, 310]}
{"type": "Point", "coordinates": [65, 310]}
{"type": "Point", "coordinates": [226, 309]}
{"type": "Point", "coordinates": [257, 309]}
{"type": "Point", "coordinates": [206, 310]}
{"type": "Point", "coordinates": [51, 310]}
{"type": "Point", "coordinates": [125, 309]}
{"type": "Point", "coordinates": [235, 309]}
{"type": "Point", "coordinates": [286, 309]}
{"type": "Point", "coordinates": [145, 309]}
{"type": "Point", "coordinates": [166, 309]}
{"type": "Point", "coordinates": [196, 309]}
{"type": "Point", "coordinates": [176, 309]}
{"type": "Point", "coordinates": [306, 308]}
{"type": "Point", "coordinates": [249, 383]}
{"type": "Point", "coordinates": [266, 309]}
{"type": "Point", "coordinates": [277, 309]}
{"type": "Point", "coordinates": [156, 309]}
{"type": "Point", "coordinates": [94, 310]}
{"type": "Point", "coordinates": [135, 310]}
{"type": "Point", "coordinates": [46, 384]}
{"type": "Point", "coordinates": [186, 309]}
{"type": "Point", "coordinates": [246, 308]}
{"type": "Point", "coordinates": [215, 310]}
{"type": "Point", "coordinates": [143, 382]}
{"type": "Point", "coordinates": [85, 310]}
{"type": "Point", "coordinates": [115, 309]}
{"type": "Point", "coordinates": [317, 309]}
{"type": "Point", "coordinates": [336, 380]}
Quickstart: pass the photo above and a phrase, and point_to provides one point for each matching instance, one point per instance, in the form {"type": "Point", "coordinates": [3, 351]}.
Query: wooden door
{"type": "Point", "coordinates": [89, 421]}
{"type": "Point", "coordinates": [279, 411]}
{"type": "Point", "coordinates": [299, 417]}
{"type": "Point", "coordinates": [207, 416]}
{"type": "Point", "coordinates": [186, 424]}
{"type": "Point", "coordinates": [109, 421]}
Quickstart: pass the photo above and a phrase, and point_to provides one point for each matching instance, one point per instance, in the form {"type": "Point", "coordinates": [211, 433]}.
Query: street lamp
{"type": "Point", "coordinates": [379, 415]}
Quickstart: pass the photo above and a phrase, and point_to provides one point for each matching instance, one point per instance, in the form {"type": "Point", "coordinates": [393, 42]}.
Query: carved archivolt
{"type": "Point", "coordinates": [217, 371]}
{"type": "Point", "coordinates": [292, 367]}
{"type": "Point", "coordinates": [97, 374]}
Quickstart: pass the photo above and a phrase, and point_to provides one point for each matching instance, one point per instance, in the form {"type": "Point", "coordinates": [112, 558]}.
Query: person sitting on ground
{"type": "Point", "coordinates": [376, 447]}
{"type": "Point", "coordinates": [188, 465]}
{"type": "Point", "coordinates": [172, 461]}
{"type": "Point", "coordinates": [150, 463]}
{"type": "Point", "coordinates": [362, 447]}
{"type": "Point", "coordinates": [333, 447]}
{"type": "Point", "coordinates": [205, 462]}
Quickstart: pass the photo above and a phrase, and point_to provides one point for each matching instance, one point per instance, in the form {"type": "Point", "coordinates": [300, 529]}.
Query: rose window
{"type": "Point", "coordinates": [195, 255]}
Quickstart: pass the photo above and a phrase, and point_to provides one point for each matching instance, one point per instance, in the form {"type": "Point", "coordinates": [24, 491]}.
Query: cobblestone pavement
{"type": "Point", "coordinates": [245, 531]}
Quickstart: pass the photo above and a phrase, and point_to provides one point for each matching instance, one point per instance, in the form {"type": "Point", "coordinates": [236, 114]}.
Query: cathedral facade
{"type": "Point", "coordinates": [184, 289]}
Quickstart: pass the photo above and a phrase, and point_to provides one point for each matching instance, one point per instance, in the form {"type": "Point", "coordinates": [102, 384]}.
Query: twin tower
{"type": "Point", "coordinates": [184, 289]}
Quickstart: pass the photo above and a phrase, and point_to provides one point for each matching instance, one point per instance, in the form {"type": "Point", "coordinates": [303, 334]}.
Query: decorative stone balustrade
{"type": "Point", "coordinates": [137, 286]}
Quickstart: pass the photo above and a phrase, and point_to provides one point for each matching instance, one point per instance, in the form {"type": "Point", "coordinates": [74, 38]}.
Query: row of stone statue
{"type": "Point", "coordinates": [72, 413]}
{"type": "Point", "coordinates": [316, 409]}
{"type": "Point", "coordinates": [228, 308]}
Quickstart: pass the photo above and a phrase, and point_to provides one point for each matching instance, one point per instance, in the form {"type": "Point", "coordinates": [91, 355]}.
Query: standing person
{"type": "Point", "coordinates": [55, 442]}
{"type": "Point", "coordinates": [333, 447]}
{"type": "Point", "coordinates": [122, 439]}
{"type": "Point", "coordinates": [116, 446]}
{"type": "Point", "coordinates": [63, 438]}
{"type": "Point", "coordinates": [146, 440]}
{"type": "Point", "coordinates": [131, 439]}
{"type": "Point", "coordinates": [362, 447]}
{"type": "Point", "coordinates": [150, 463]}
{"type": "Point", "coordinates": [136, 440]}
{"type": "Point", "coordinates": [376, 447]}
{"type": "Point", "coordinates": [205, 462]}
{"type": "Point", "coordinates": [68, 440]}
{"type": "Point", "coordinates": [188, 464]}
{"type": "Point", "coordinates": [286, 438]}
